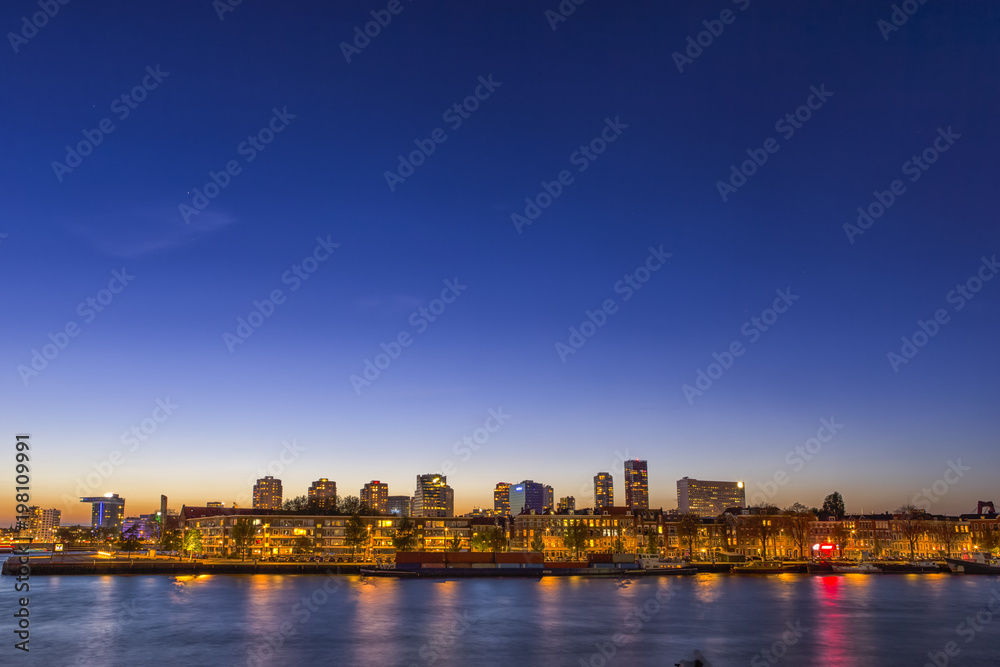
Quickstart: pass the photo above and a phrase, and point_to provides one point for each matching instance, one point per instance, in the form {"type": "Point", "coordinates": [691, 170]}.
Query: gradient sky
{"type": "Point", "coordinates": [495, 345]}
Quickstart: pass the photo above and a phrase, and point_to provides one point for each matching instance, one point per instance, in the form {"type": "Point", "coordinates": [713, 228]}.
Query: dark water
{"type": "Point", "coordinates": [233, 620]}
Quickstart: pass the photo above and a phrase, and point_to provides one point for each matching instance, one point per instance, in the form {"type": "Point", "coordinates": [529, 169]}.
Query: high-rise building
{"type": "Point", "coordinates": [527, 495]}
{"type": "Point", "coordinates": [42, 524]}
{"type": "Point", "coordinates": [550, 500]}
{"type": "Point", "coordinates": [708, 499]}
{"type": "Point", "coordinates": [107, 511]}
{"type": "Point", "coordinates": [215, 503]}
{"type": "Point", "coordinates": [431, 496]}
{"type": "Point", "coordinates": [636, 485]}
{"type": "Point", "coordinates": [567, 504]}
{"type": "Point", "coordinates": [267, 494]}
{"type": "Point", "coordinates": [399, 505]}
{"type": "Point", "coordinates": [501, 499]}
{"type": "Point", "coordinates": [449, 501]}
{"type": "Point", "coordinates": [375, 494]}
{"type": "Point", "coordinates": [323, 494]}
{"type": "Point", "coordinates": [604, 490]}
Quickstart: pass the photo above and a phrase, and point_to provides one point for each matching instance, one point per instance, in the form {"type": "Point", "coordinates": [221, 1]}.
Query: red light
{"type": "Point", "coordinates": [827, 547]}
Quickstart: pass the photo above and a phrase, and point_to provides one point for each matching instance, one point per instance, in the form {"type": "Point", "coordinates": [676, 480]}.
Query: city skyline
{"type": "Point", "coordinates": [664, 303]}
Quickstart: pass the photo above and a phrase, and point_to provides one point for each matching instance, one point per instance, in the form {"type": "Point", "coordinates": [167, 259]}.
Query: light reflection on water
{"type": "Point", "coordinates": [878, 620]}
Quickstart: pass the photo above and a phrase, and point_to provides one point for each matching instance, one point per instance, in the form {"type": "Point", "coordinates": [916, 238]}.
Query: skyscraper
{"type": "Point", "coordinates": [501, 499]}
{"type": "Point", "coordinates": [431, 497]}
{"type": "Point", "coordinates": [323, 494]}
{"type": "Point", "coordinates": [107, 511]}
{"type": "Point", "coordinates": [604, 490]}
{"type": "Point", "coordinates": [267, 494]}
{"type": "Point", "coordinates": [550, 500]}
{"type": "Point", "coordinates": [709, 499]}
{"type": "Point", "coordinates": [375, 494]}
{"type": "Point", "coordinates": [527, 495]}
{"type": "Point", "coordinates": [636, 485]}
{"type": "Point", "coordinates": [567, 504]}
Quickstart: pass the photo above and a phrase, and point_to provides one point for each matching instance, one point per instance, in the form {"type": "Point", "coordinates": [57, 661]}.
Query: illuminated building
{"type": "Point", "coordinates": [708, 499]}
{"type": "Point", "coordinates": [215, 503]}
{"type": "Point", "coordinates": [107, 511]}
{"type": "Point", "coordinates": [431, 496]}
{"type": "Point", "coordinates": [42, 524]}
{"type": "Point", "coordinates": [267, 494]}
{"type": "Point", "coordinates": [323, 494]}
{"type": "Point", "coordinates": [501, 499]}
{"type": "Point", "coordinates": [636, 485]}
{"type": "Point", "coordinates": [604, 490]}
{"type": "Point", "coordinates": [567, 504]}
{"type": "Point", "coordinates": [527, 495]}
{"type": "Point", "coordinates": [375, 494]}
{"type": "Point", "coordinates": [550, 503]}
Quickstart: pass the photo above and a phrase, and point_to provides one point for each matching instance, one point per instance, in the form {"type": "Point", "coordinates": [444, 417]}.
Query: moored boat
{"type": "Point", "coordinates": [977, 563]}
{"type": "Point", "coordinates": [860, 568]}
{"type": "Point", "coordinates": [764, 567]}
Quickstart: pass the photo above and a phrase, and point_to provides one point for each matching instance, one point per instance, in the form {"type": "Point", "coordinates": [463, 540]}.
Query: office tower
{"type": "Point", "coordinates": [709, 499]}
{"type": "Point", "coordinates": [42, 524]}
{"type": "Point", "coordinates": [501, 499]}
{"type": "Point", "coordinates": [550, 503]}
{"type": "Point", "coordinates": [398, 505]}
{"type": "Point", "coordinates": [375, 494]}
{"type": "Point", "coordinates": [449, 501]}
{"type": "Point", "coordinates": [604, 490]}
{"type": "Point", "coordinates": [431, 496]}
{"type": "Point", "coordinates": [567, 504]}
{"type": "Point", "coordinates": [527, 495]}
{"type": "Point", "coordinates": [107, 511]}
{"type": "Point", "coordinates": [267, 494]}
{"type": "Point", "coordinates": [163, 505]}
{"type": "Point", "coordinates": [323, 494]}
{"type": "Point", "coordinates": [636, 485]}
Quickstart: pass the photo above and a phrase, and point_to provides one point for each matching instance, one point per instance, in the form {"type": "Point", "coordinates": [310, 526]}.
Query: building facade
{"type": "Point", "coordinates": [107, 511]}
{"type": "Point", "coordinates": [604, 490]}
{"type": "Point", "coordinates": [267, 494]}
{"type": "Point", "coordinates": [323, 494]}
{"type": "Point", "coordinates": [709, 499]}
{"type": "Point", "coordinates": [398, 505]}
{"type": "Point", "coordinates": [501, 499]}
{"type": "Point", "coordinates": [43, 523]}
{"type": "Point", "coordinates": [636, 485]}
{"type": "Point", "coordinates": [431, 496]}
{"type": "Point", "coordinates": [375, 494]}
{"type": "Point", "coordinates": [567, 504]}
{"type": "Point", "coordinates": [527, 496]}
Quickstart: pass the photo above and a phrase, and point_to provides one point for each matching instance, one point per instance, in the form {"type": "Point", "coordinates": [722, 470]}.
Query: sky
{"type": "Point", "coordinates": [621, 231]}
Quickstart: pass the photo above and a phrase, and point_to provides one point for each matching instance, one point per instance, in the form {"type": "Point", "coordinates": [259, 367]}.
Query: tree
{"type": "Point", "coordinates": [244, 530]}
{"type": "Point", "coordinates": [128, 541]}
{"type": "Point", "coordinates": [355, 533]}
{"type": "Point", "coordinates": [798, 519]}
{"type": "Point", "coordinates": [912, 525]}
{"type": "Point", "coordinates": [537, 543]}
{"type": "Point", "coordinates": [841, 536]}
{"type": "Point", "coordinates": [303, 545]}
{"type": "Point", "coordinates": [351, 505]}
{"type": "Point", "coordinates": [105, 535]}
{"type": "Point", "coordinates": [405, 537]}
{"type": "Point", "coordinates": [763, 523]}
{"type": "Point", "coordinates": [297, 504]}
{"type": "Point", "coordinates": [171, 540]}
{"type": "Point", "coordinates": [456, 543]}
{"type": "Point", "coordinates": [68, 536]}
{"type": "Point", "coordinates": [192, 541]}
{"type": "Point", "coordinates": [498, 539]}
{"type": "Point", "coordinates": [988, 540]}
{"type": "Point", "coordinates": [947, 532]}
{"type": "Point", "coordinates": [834, 504]}
{"type": "Point", "coordinates": [688, 526]}
{"type": "Point", "coordinates": [575, 537]}
{"type": "Point", "coordinates": [652, 541]}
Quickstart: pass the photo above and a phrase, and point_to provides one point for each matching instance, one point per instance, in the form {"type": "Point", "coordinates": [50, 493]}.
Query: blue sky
{"type": "Point", "coordinates": [551, 94]}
